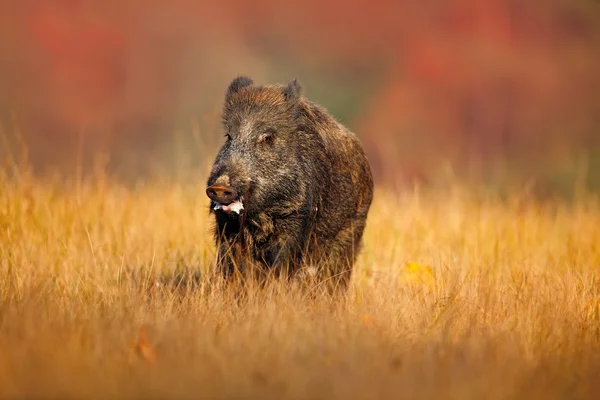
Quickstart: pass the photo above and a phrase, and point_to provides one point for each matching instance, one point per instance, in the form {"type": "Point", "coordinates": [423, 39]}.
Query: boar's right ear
{"type": "Point", "coordinates": [238, 83]}
{"type": "Point", "coordinates": [293, 90]}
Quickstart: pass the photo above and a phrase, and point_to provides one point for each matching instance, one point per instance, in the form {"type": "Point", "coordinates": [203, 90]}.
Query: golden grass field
{"type": "Point", "coordinates": [454, 296]}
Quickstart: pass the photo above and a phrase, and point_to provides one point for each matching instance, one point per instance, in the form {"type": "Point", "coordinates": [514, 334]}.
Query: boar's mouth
{"type": "Point", "coordinates": [236, 206]}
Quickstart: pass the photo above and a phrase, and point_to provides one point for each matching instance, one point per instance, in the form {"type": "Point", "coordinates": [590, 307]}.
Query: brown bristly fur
{"type": "Point", "coordinates": [306, 192]}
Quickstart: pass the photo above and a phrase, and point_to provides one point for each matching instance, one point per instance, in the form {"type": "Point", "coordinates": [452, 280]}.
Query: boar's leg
{"type": "Point", "coordinates": [283, 256]}
{"type": "Point", "coordinates": [339, 257]}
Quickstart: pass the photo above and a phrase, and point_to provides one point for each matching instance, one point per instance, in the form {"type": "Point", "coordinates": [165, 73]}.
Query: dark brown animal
{"type": "Point", "coordinates": [290, 187]}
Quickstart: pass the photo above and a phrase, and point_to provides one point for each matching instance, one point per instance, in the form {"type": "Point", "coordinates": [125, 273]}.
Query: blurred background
{"type": "Point", "coordinates": [499, 92]}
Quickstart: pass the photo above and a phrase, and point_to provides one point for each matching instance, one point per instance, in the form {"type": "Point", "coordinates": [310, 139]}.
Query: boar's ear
{"type": "Point", "coordinates": [238, 83]}
{"type": "Point", "coordinates": [292, 91]}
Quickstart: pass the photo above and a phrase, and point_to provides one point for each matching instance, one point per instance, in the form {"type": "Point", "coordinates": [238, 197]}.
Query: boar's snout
{"type": "Point", "coordinates": [221, 194]}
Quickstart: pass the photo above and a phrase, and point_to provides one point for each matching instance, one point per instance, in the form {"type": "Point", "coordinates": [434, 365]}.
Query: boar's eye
{"type": "Point", "coordinates": [267, 137]}
{"type": "Point", "coordinates": [228, 136]}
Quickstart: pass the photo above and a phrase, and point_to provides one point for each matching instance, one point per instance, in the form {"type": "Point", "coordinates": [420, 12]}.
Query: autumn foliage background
{"type": "Point", "coordinates": [495, 91]}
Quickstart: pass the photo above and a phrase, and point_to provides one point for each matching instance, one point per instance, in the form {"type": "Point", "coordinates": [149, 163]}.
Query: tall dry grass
{"type": "Point", "coordinates": [103, 296]}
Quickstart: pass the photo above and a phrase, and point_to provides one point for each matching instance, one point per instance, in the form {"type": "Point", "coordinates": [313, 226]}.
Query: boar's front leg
{"type": "Point", "coordinates": [282, 253]}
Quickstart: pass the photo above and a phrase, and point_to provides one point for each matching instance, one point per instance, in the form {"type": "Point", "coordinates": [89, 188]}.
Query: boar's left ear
{"type": "Point", "coordinates": [292, 91]}
{"type": "Point", "coordinates": [237, 84]}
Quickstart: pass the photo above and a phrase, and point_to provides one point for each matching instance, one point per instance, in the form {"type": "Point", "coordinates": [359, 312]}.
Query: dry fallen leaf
{"type": "Point", "coordinates": [144, 348]}
{"type": "Point", "coordinates": [417, 273]}
{"type": "Point", "coordinates": [367, 321]}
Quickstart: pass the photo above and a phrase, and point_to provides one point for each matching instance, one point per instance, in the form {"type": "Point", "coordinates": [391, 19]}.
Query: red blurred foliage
{"type": "Point", "coordinates": [83, 58]}
{"type": "Point", "coordinates": [468, 79]}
